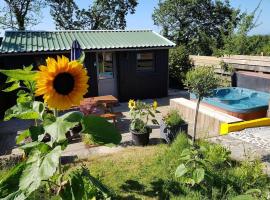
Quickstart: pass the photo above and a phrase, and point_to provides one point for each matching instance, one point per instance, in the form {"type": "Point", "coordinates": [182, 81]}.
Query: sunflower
{"type": "Point", "coordinates": [155, 105]}
{"type": "Point", "coordinates": [62, 83]}
{"type": "Point", "coordinates": [131, 104]}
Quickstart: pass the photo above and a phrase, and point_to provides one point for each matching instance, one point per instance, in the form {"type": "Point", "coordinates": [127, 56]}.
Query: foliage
{"type": "Point", "coordinates": [149, 173]}
{"type": "Point", "coordinates": [202, 81]}
{"type": "Point", "coordinates": [20, 14]}
{"type": "Point", "coordinates": [192, 170]}
{"type": "Point", "coordinates": [84, 186]}
{"type": "Point", "coordinates": [65, 14]}
{"type": "Point", "coordinates": [253, 45]}
{"type": "Point", "coordinates": [173, 118]}
{"type": "Point", "coordinates": [217, 155]}
{"type": "Point", "coordinates": [141, 113]}
{"type": "Point", "coordinates": [196, 24]}
{"type": "Point", "coordinates": [42, 162]}
{"type": "Point", "coordinates": [152, 174]}
{"type": "Point", "coordinates": [237, 41]}
{"type": "Point", "coordinates": [179, 64]}
{"type": "Point", "coordinates": [102, 14]}
{"type": "Point", "coordinates": [87, 139]}
{"type": "Point", "coordinates": [227, 72]}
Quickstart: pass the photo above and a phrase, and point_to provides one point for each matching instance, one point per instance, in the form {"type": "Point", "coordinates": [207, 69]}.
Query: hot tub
{"type": "Point", "coordinates": [242, 103]}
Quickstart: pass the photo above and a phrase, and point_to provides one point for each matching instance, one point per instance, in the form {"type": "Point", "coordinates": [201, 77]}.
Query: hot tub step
{"type": "Point", "coordinates": [226, 128]}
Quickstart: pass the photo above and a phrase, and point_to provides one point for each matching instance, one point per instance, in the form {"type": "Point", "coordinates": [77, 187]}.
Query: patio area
{"type": "Point", "coordinates": [253, 143]}
{"type": "Point", "coordinates": [9, 130]}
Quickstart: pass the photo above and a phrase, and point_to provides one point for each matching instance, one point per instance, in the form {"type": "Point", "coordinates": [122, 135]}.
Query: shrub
{"type": "Point", "coordinates": [247, 175]}
{"type": "Point", "coordinates": [179, 64]}
{"type": "Point", "coordinates": [216, 154]}
{"type": "Point", "coordinates": [173, 118]}
{"type": "Point", "coordinates": [201, 81]}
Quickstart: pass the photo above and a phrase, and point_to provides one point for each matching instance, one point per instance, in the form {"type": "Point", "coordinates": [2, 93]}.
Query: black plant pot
{"type": "Point", "coordinates": [169, 134]}
{"type": "Point", "coordinates": [140, 139]}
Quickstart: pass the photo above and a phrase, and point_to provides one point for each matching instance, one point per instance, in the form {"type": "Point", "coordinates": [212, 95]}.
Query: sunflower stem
{"type": "Point", "coordinates": [55, 112]}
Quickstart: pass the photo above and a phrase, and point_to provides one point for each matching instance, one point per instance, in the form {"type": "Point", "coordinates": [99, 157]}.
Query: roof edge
{"type": "Point", "coordinates": [161, 36]}
{"type": "Point", "coordinates": [54, 31]}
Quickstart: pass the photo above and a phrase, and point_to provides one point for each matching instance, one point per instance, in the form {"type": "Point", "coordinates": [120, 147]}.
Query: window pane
{"type": "Point", "coordinates": [145, 56]}
{"type": "Point", "coordinates": [105, 65]}
{"type": "Point", "coordinates": [145, 61]}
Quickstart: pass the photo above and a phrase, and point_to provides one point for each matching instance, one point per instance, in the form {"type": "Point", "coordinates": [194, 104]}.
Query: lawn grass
{"type": "Point", "coordinates": [148, 173]}
{"type": "Point", "coordinates": [131, 173]}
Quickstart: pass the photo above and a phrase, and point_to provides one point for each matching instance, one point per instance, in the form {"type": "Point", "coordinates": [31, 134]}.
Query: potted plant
{"type": "Point", "coordinates": [141, 113]}
{"type": "Point", "coordinates": [171, 125]}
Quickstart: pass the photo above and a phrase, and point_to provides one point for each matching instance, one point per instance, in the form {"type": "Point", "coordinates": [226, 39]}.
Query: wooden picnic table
{"type": "Point", "coordinates": [107, 102]}
{"type": "Point", "coordinates": [108, 99]}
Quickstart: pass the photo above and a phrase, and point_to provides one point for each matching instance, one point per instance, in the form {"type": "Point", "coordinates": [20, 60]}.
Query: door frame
{"type": "Point", "coordinates": [115, 71]}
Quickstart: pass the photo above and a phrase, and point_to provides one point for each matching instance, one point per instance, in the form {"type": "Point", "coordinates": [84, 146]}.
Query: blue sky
{"type": "Point", "coordinates": [142, 19]}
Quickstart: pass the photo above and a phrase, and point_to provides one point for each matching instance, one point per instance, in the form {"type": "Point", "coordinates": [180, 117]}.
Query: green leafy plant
{"type": "Point", "coordinates": [173, 118]}
{"type": "Point", "coordinates": [201, 81]}
{"type": "Point", "coordinates": [87, 140]}
{"type": "Point", "coordinates": [141, 113]}
{"type": "Point", "coordinates": [192, 169]}
{"type": "Point", "coordinates": [245, 180]}
{"type": "Point", "coordinates": [217, 155]}
{"type": "Point", "coordinates": [227, 72]}
{"type": "Point", "coordinates": [42, 163]}
{"type": "Point", "coordinates": [179, 64]}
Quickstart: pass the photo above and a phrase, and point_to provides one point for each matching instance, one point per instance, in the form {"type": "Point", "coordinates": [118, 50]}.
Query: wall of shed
{"type": "Point", "coordinates": [133, 84]}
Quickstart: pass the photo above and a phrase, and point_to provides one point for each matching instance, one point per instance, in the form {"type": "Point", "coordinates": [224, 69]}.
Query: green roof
{"type": "Point", "coordinates": [41, 41]}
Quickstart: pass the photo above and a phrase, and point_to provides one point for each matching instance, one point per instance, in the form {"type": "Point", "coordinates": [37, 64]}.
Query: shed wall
{"type": "Point", "coordinates": [133, 84]}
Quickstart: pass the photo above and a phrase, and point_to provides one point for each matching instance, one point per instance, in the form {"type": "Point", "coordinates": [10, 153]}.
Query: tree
{"type": "Point", "coordinates": [238, 41]}
{"type": "Point", "coordinates": [201, 81]}
{"type": "Point", "coordinates": [102, 14]}
{"type": "Point", "coordinates": [20, 14]}
{"type": "Point", "coordinates": [195, 23]}
{"type": "Point", "coordinates": [179, 64]}
{"type": "Point", "coordinates": [65, 14]}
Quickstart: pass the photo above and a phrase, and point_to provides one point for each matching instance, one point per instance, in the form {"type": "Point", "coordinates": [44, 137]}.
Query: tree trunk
{"type": "Point", "coordinates": [195, 120]}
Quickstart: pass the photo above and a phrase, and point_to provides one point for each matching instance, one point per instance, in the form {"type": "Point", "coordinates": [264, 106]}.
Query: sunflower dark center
{"type": "Point", "coordinates": [64, 83]}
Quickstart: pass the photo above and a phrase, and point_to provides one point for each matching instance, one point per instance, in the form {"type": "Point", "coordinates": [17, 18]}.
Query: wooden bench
{"type": "Point", "coordinates": [112, 116]}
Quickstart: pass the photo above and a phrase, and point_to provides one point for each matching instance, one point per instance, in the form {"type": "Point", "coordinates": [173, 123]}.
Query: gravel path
{"type": "Point", "coordinates": [259, 136]}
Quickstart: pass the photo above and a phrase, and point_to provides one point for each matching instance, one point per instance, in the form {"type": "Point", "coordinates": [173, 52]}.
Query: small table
{"type": "Point", "coordinates": [107, 102]}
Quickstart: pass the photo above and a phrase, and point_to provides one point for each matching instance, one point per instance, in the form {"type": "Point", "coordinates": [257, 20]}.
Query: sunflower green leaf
{"type": "Point", "coordinates": [102, 131]}
{"type": "Point", "coordinates": [62, 125]}
{"type": "Point", "coordinates": [20, 74]}
{"type": "Point", "coordinates": [15, 85]}
{"type": "Point", "coordinates": [39, 166]}
{"type": "Point", "coordinates": [20, 111]}
{"type": "Point", "coordinates": [198, 175]}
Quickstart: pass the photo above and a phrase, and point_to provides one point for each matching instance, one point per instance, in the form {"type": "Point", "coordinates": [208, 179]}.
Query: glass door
{"type": "Point", "coordinates": [106, 74]}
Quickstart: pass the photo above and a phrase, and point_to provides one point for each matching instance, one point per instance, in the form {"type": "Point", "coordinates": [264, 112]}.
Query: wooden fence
{"type": "Point", "coordinates": [239, 62]}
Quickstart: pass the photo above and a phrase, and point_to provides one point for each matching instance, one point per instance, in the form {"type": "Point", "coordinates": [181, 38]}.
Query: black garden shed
{"type": "Point", "coordinates": [129, 64]}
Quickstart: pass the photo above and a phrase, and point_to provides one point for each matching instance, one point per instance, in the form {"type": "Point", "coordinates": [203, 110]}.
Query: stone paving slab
{"type": "Point", "coordinates": [8, 133]}
{"type": "Point", "coordinates": [243, 150]}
